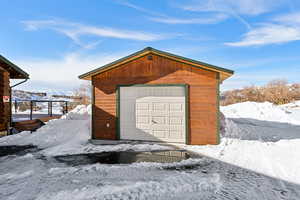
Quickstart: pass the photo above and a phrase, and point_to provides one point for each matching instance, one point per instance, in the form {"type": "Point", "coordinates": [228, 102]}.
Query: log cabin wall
{"type": "Point", "coordinates": [154, 69]}
{"type": "Point", "coordinates": [4, 106]}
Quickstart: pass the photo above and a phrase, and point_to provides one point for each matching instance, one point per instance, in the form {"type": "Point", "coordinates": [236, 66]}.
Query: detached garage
{"type": "Point", "coordinates": [153, 95]}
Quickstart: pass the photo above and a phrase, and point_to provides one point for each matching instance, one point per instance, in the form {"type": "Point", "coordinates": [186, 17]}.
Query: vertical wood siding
{"type": "Point", "coordinates": [4, 107]}
{"type": "Point", "coordinates": [203, 85]}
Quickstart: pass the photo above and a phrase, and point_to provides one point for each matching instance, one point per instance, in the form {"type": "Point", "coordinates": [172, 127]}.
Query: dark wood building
{"type": "Point", "coordinates": [8, 71]}
{"type": "Point", "coordinates": [153, 95]}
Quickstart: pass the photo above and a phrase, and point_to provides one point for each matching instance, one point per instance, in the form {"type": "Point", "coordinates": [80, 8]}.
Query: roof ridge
{"type": "Point", "coordinates": [162, 53]}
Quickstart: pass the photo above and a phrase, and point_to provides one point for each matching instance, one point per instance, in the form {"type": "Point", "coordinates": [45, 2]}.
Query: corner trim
{"type": "Point", "coordinates": [218, 108]}
{"type": "Point", "coordinates": [187, 114]}
{"type": "Point", "coordinates": [93, 111]}
{"type": "Point", "coordinates": [118, 130]}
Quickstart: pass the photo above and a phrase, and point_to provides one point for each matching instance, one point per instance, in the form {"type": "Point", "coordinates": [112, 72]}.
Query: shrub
{"type": "Point", "coordinates": [276, 91]}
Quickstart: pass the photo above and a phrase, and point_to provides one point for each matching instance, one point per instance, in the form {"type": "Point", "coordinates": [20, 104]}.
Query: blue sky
{"type": "Point", "coordinates": [55, 41]}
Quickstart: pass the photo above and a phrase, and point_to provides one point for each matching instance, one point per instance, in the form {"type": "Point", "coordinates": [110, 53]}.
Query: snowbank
{"type": "Point", "coordinates": [70, 135]}
{"type": "Point", "coordinates": [260, 111]}
{"type": "Point", "coordinates": [293, 109]}
{"type": "Point", "coordinates": [261, 137]}
{"type": "Point", "coordinates": [81, 112]}
{"type": "Point", "coordinates": [295, 104]}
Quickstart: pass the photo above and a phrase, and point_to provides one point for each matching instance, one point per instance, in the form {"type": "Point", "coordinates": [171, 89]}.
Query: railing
{"type": "Point", "coordinates": [32, 104]}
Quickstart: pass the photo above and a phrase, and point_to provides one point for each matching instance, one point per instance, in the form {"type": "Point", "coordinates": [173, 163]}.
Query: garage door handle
{"type": "Point", "coordinates": [154, 122]}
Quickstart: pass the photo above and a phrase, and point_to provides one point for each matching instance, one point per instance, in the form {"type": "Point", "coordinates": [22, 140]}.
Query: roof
{"type": "Point", "coordinates": [14, 71]}
{"type": "Point", "coordinates": [224, 73]}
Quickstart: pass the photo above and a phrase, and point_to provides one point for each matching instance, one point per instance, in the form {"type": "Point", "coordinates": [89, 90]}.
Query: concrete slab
{"type": "Point", "coordinates": [133, 142]}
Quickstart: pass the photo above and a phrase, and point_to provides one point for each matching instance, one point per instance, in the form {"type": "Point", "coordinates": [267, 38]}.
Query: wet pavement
{"type": "Point", "coordinates": [17, 150]}
{"type": "Point", "coordinates": [124, 157]}
{"type": "Point", "coordinates": [41, 177]}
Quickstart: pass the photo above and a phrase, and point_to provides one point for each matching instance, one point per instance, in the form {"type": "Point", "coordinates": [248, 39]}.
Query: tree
{"type": "Point", "coordinates": [84, 94]}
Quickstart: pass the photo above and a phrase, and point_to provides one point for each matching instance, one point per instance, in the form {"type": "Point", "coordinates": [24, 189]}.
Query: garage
{"type": "Point", "coordinates": [153, 113]}
{"type": "Point", "coordinates": [153, 95]}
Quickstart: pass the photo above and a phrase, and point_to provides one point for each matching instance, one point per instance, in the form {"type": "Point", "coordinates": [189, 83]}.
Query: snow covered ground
{"type": "Point", "coordinates": [70, 135]}
{"type": "Point", "coordinates": [258, 158]}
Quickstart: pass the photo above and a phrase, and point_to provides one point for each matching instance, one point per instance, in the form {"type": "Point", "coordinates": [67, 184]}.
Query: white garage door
{"type": "Point", "coordinates": [152, 113]}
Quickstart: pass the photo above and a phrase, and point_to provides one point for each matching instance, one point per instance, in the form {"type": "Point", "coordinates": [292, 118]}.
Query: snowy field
{"type": "Point", "coordinates": [258, 158]}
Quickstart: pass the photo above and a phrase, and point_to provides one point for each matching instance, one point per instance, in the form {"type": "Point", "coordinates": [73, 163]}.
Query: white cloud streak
{"type": "Point", "coordinates": [234, 8]}
{"type": "Point", "coordinates": [244, 7]}
{"type": "Point", "coordinates": [204, 20]}
{"type": "Point", "coordinates": [281, 29]}
{"type": "Point", "coordinates": [76, 30]}
{"type": "Point", "coordinates": [163, 18]}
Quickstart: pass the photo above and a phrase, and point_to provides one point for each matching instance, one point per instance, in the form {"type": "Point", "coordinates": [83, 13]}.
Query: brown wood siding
{"type": "Point", "coordinates": [4, 107]}
{"type": "Point", "coordinates": [203, 85]}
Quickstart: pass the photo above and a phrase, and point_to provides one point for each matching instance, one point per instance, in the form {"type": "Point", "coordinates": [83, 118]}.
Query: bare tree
{"type": "Point", "coordinates": [84, 94]}
{"type": "Point", "coordinates": [276, 91]}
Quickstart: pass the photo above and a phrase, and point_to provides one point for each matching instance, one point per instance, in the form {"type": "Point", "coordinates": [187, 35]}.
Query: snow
{"type": "Point", "coordinates": [260, 111]}
{"type": "Point", "coordinates": [293, 109]}
{"type": "Point", "coordinates": [258, 158]}
{"type": "Point", "coordinates": [80, 112]}
{"type": "Point", "coordinates": [261, 137]}
{"type": "Point", "coordinates": [70, 135]}
{"type": "Point", "coordinates": [56, 109]}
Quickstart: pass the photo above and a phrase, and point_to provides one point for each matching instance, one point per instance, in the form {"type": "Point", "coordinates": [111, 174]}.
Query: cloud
{"type": "Point", "coordinates": [163, 18]}
{"type": "Point", "coordinates": [138, 8]}
{"type": "Point", "coordinates": [245, 7]}
{"type": "Point", "coordinates": [291, 18]}
{"type": "Point", "coordinates": [205, 20]}
{"type": "Point", "coordinates": [75, 31]}
{"type": "Point", "coordinates": [234, 8]}
{"type": "Point", "coordinates": [281, 29]}
{"type": "Point", "coordinates": [62, 73]}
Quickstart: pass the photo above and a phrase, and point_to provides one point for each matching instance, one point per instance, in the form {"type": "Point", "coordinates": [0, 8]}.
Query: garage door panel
{"type": "Point", "coordinates": [160, 133]}
{"type": "Point", "coordinates": [143, 119]}
{"type": "Point", "coordinates": [173, 120]}
{"type": "Point", "coordinates": [152, 113]}
{"type": "Point", "coordinates": [177, 114]}
{"type": "Point", "coordinates": [176, 134]}
{"type": "Point", "coordinates": [142, 106]}
{"type": "Point", "coordinates": [159, 106]}
{"type": "Point", "coordinates": [176, 107]}
{"type": "Point", "coordinates": [142, 112]}
{"type": "Point", "coordinates": [159, 120]}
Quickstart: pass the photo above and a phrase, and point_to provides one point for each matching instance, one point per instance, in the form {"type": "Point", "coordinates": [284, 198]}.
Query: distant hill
{"type": "Point", "coordinates": [21, 95]}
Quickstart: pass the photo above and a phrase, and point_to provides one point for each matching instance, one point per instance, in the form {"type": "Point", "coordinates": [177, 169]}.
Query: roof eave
{"type": "Point", "coordinates": [20, 73]}
{"type": "Point", "coordinates": [225, 73]}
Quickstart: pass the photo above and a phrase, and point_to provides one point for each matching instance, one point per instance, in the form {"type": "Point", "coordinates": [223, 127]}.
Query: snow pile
{"type": "Point", "coordinates": [260, 111]}
{"type": "Point", "coordinates": [58, 134]}
{"type": "Point", "coordinates": [293, 109]}
{"type": "Point", "coordinates": [81, 112]}
{"type": "Point", "coordinates": [295, 104]}
{"type": "Point", "coordinates": [261, 137]}
{"type": "Point", "coordinates": [70, 135]}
